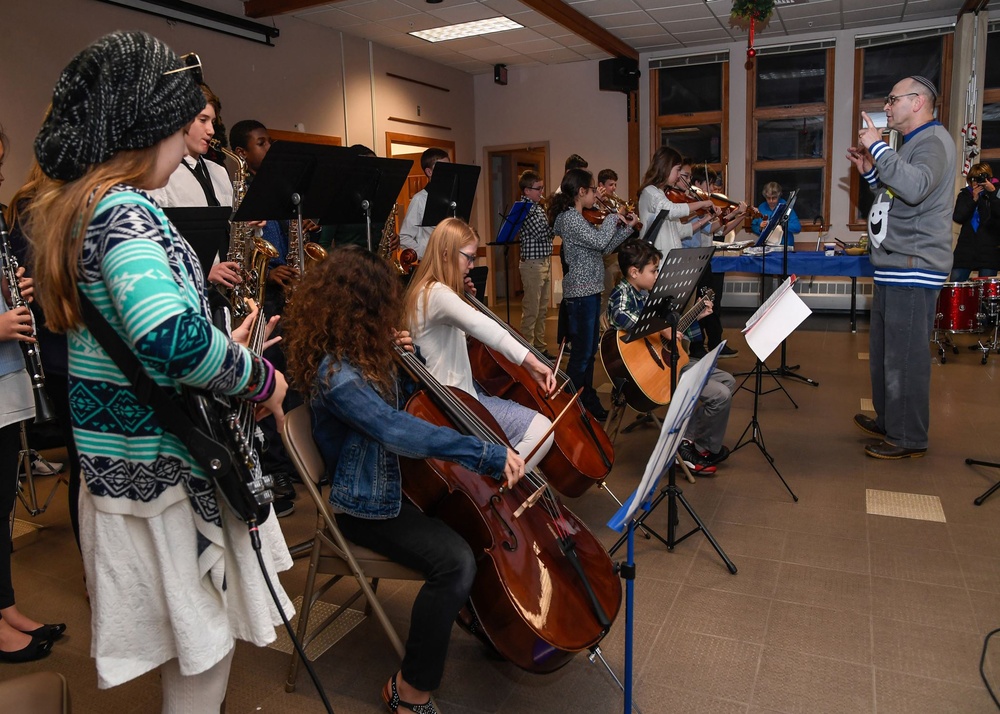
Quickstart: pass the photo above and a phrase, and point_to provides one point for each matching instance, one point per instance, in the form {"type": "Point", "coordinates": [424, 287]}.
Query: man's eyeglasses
{"type": "Point", "coordinates": [191, 62]}
{"type": "Point", "coordinates": [470, 258]}
{"type": "Point", "coordinates": [536, 188]}
{"type": "Point", "coordinates": [893, 98]}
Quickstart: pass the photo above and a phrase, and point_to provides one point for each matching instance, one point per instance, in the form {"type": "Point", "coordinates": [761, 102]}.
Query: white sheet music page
{"type": "Point", "coordinates": [775, 320]}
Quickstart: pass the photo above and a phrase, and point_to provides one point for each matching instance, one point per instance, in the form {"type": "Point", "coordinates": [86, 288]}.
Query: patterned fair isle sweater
{"type": "Point", "coordinates": [147, 282]}
{"type": "Point", "coordinates": [585, 246]}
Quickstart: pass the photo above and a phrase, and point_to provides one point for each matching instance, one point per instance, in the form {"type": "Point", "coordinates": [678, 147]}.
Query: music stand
{"type": "Point", "coordinates": [450, 192]}
{"type": "Point", "coordinates": [773, 322]}
{"type": "Point", "coordinates": [784, 369]}
{"type": "Point", "coordinates": [510, 228]}
{"type": "Point", "coordinates": [679, 274]}
{"type": "Point", "coordinates": [662, 460]}
{"type": "Point", "coordinates": [206, 229]}
{"type": "Point", "coordinates": [375, 184]}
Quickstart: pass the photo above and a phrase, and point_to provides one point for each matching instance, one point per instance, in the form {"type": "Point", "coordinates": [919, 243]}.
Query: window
{"type": "Point", "coordinates": [989, 131]}
{"type": "Point", "coordinates": [691, 110]}
{"type": "Point", "coordinates": [792, 94]}
{"type": "Point", "coordinates": [877, 70]}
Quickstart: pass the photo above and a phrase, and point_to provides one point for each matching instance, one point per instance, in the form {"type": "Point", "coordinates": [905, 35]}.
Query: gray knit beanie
{"type": "Point", "coordinates": [113, 96]}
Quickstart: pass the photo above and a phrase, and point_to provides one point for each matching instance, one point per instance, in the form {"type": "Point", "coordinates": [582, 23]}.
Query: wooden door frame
{"type": "Point", "coordinates": [488, 151]}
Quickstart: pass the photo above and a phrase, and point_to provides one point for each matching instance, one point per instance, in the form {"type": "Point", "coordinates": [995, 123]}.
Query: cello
{"type": "Point", "coordinates": [545, 588]}
{"type": "Point", "coordinates": [581, 454]}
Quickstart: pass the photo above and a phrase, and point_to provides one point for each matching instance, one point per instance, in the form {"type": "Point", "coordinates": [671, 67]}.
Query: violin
{"type": "Point", "coordinates": [721, 201]}
{"type": "Point", "coordinates": [545, 588]}
{"type": "Point", "coordinates": [581, 454]}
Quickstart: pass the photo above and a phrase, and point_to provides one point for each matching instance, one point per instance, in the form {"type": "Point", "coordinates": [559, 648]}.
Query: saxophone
{"type": "Point", "coordinates": [302, 254]}
{"type": "Point", "coordinates": [385, 251]}
{"type": "Point", "coordinates": [241, 240]}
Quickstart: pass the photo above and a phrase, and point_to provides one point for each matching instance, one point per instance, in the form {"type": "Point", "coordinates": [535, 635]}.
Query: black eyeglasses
{"type": "Point", "coordinates": [470, 258]}
{"type": "Point", "coordinates": [535, 188]}
{"type": "Point", "coordinates": [893, 98]}
{"type": "Point", "coordinates": [191, 62]}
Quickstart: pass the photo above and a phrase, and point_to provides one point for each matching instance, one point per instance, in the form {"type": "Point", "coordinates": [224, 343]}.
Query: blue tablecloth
{"type": "Point", "coordinates": [803, 263]}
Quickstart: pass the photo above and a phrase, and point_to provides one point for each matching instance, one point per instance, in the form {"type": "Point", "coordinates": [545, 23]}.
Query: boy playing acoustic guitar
{"type": "Point", "coordinates": [702, 448]}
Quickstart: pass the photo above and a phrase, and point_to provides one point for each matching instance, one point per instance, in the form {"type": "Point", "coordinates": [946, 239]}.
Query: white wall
{"type": "Point", "coordinates": [300, 80]}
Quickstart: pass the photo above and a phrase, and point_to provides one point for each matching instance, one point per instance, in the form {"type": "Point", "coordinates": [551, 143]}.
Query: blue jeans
{"type": "Point", "coordinates": [584, 325]}
{"type": "Point", "coordinates": [431, 547]}
{"type": "Point", "coordinates": [900, 362]}
{"type": "Point", "coordinates": [961, 275]}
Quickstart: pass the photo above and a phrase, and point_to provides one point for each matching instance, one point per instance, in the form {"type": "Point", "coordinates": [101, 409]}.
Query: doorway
{"type": "Point", "coordinates": [408, 146]}
{"type": "Point", "coordinates": [506, 163]}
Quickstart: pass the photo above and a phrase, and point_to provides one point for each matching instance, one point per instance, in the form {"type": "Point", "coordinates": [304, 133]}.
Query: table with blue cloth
{"type": "Point", "coordinates": [801, 263]}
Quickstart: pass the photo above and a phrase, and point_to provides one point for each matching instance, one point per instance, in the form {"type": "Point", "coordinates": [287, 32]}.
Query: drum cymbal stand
{"type": "Point", "coordinates": [992, 314]}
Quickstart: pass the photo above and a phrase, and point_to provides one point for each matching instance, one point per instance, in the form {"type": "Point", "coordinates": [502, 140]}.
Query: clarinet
{"type": "Point", "coordinates": [44, 411]}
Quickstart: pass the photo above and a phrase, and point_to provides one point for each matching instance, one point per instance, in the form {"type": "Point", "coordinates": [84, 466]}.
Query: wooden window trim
{"type": "Point", "coordinates": [824, 109]}
{"type": "Point", "coordinates": [860, 223]}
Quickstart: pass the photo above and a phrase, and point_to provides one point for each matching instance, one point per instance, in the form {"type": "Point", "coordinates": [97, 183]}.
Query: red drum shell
{"type": "Point", "coordinates": [958, 307]}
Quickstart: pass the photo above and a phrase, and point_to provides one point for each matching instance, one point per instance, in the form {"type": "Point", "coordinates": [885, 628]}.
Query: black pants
{"type": "Point", "coordinates": [711, 326]}
{"type": "Point", "coordinates": [429, 546]}
{"type": "Point", "coordinates": [10, 446]}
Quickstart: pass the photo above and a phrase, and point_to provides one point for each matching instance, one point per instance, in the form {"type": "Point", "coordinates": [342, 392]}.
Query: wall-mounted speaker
{"type": "Point", "coordinates": [619, 74]}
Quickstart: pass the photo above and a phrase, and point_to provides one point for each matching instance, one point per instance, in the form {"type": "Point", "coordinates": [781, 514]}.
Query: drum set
{"type": "Point", "coordinates": [969, 307]}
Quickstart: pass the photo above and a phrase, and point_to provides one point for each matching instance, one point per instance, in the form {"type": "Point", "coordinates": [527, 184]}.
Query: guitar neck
{"type": "Point", "coordinates": [691, 315]}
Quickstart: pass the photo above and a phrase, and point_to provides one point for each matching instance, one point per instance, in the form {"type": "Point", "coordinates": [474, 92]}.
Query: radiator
{"type": "Point", "coordinates": [819, 293]}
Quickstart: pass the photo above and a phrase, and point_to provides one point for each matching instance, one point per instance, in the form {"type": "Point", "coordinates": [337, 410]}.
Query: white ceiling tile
{"type": "Point", "coordinates": [504, 7]}
{"type": "Point", "coordinates": [491, 54]}
{"type": "Point", "coordinates": [622, 19]}
{"type": "Point", "coordinates": [557, 56]}
{"type": "Point", "coordinates": [627, 33]}
{"type": "Point", "coordinates": [513, 37]}
{"type": "Point", "coordinates": [813, 24]}
{"type": "Point", "coordinates": [336, 19]}
{"type": "Point", "coordinates": [382, 10]}
{"type": "Point", "coordinates": [468, 12]}
{"type": "Point", "coordinates": [411, 23]}
{"type": "Point", "coordinates": [674, 14]}
{"type": "Point", "coordinates": [593, 8]}
{"type": "Point", "coordinates": [470, 43]}
{"type": "Point", "coordinates": [540, 45]}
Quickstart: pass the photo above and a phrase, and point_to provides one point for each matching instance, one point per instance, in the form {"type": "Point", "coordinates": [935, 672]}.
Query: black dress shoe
{"type": "Point", "coordinates": [598, 412]}
{"type": "Point", "coordinates": [48, 632]}
{"type": "Point", "coordinates": [885, 450]}
{"type": "Point", "coordinates": [283, 488]}
{"type": "Point", "coordinates": [36, 649]}
{"type": "Point", "coordinates": [868, 425]}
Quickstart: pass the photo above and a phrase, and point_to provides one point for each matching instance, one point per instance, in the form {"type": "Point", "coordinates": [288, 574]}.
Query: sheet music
{"type": "Point", "coordinates": [775, 320]}
{"type": "Point", "coordinates": [682, 406]}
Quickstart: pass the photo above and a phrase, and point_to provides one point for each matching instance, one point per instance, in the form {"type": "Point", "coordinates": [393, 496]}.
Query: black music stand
{"type": "Point", "coordinates": [374, 186]}
{"type": "Point", "coordinates": [510, 227]}
{"type": "Point", "coordinates": [988, 492]}
{"type": "Point", "coordinates": [679, 274]}
{"type": "Point", "coordinates": [784, 369]}
{"type": "Point", "coordinates": [294, 180]}
{"type": "Point", "coordinates": [206, 229]}
{"type": "Point", "coordinates": [450, 192]}
{"type": "Point", "coordinates": [765, 311]}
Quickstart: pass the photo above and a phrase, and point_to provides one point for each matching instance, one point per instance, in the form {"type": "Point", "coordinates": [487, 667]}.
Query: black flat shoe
{"type": "Point", "coordinates": [36, 649]}
{"type": "Point", "coordinates": [48, 632]}
{"type": "Point", "coordinates": [885, 450]}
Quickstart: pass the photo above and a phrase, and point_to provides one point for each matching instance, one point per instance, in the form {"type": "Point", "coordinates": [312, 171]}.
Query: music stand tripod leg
{"type": "Point", "coordinates": [989, 492]}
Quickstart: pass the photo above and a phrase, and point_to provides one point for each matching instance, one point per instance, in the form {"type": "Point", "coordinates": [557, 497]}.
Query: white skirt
{"type": "Point", "coordinates": [149, 602]}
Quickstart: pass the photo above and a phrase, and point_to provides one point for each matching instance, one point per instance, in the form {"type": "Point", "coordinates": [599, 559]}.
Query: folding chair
{"type": "Point", "coordinates": [331, 553]}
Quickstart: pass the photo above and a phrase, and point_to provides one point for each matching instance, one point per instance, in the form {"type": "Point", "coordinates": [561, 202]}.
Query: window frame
{"type": "Point", "coordinates": [692, 119]}
{"type": "Point", "coordinates": [860, 223]}
{"type": "Point", "coordinates": [824, 109]}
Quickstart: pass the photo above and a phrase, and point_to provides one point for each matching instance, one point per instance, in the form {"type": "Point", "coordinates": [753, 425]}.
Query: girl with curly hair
{"type": "Point", "coordinates": [339, 345]}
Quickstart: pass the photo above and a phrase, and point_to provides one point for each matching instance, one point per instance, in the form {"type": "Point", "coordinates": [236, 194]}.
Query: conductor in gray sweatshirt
{"type": "Point", "coordinates": [910, 236]}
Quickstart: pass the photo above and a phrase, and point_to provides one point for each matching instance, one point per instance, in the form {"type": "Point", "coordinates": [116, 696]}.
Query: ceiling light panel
{"type": "Point", "coordinates": [467, 29]}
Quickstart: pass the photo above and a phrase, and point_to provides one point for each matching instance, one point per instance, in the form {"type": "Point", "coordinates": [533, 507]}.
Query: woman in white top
{"type": "Point", "coordinates": [439, 319]}
{"type": "Point", "coordinates": [665, 171]}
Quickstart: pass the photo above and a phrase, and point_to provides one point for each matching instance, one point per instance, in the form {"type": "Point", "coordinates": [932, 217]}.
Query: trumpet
{"type": "Point", "coordinates": [44, 411]}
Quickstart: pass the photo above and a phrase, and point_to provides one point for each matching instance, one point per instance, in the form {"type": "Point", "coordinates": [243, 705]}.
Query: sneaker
{"type": "Point", "coordinates": [283, 507]}
{"type": "Point", "coordinates": [283, 488]}
{"type": "Point", "coordinates": [40, 466]}
{"type": "Point", "coordinates": [718, 457]}
{"type": "Point", "coordinates": [728, 352]}
{"type": "Point", "coordinates": [694, 460]}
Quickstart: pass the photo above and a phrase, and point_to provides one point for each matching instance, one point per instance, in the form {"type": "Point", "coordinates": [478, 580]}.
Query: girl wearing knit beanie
{"type": "Point", "coordinates": [172, 576]}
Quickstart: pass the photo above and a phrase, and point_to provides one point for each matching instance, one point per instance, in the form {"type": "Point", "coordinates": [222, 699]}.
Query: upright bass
{"type": "Point", "coordinates": [545, 588]}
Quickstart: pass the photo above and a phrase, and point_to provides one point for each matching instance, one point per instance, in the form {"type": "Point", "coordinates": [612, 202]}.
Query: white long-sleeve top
{"type": "Point", "coordinates": [411, 233]}
{"type": "Point", "coordinates": [671, 232]}
{"type": "Point", "coordinates": [440, 334]}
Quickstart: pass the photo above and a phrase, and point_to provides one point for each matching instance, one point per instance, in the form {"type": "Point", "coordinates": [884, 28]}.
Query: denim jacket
{"type": "Point", "coordinates": [360, 436]}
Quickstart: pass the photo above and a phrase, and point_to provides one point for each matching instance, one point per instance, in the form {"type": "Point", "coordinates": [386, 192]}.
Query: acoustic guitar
{"type": "Point", "coordinates": [643, 366]}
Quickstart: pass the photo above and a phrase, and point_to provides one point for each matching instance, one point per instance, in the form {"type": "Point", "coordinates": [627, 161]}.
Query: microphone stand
{"type": "Point", "coordinates": [785, 369]}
